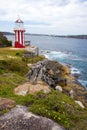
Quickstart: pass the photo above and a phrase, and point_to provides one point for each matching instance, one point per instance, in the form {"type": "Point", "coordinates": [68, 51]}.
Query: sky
{"type": "Point", "coordinates": [56, 17]}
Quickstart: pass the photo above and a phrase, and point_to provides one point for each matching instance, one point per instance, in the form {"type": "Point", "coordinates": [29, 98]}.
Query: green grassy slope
{"type": "Point", "coordinates": [55, 105]}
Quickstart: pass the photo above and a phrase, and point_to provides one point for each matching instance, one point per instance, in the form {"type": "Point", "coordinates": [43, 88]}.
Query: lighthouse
{"type": "Point", "coordinates": [19, 34]}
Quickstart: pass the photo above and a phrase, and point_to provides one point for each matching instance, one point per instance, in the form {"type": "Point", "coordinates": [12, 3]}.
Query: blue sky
{"type": "Point", "coordinates": [60, 17]}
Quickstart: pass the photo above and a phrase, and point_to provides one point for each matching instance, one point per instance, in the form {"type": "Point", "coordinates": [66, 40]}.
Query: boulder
{"type": "Point", "coordinates": [6, 104]}
{"type": "Point", "coordinates": [59, 88]}
{"type": "Point", "coordinates": [31, 88]}
{"type": "Point", "coordinates": [20, 119]}
{"type": "Point", "coordinates": [80, 104]}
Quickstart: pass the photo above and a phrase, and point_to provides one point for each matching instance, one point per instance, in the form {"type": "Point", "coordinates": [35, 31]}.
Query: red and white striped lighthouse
{"type": "Point", "coordinates": [19, 34]}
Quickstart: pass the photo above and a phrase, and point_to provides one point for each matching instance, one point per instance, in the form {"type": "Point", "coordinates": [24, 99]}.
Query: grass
{"type": "Point", "coordinates": [4, 111]}
{"type": "Point", "coordinates": [58, 107]}
{"type": "Point", "coordinates": [55, 105]}
{"type": "Point", "coordinates": [10, 52]}
{"type": "Point", "coordinates": [13, 70]}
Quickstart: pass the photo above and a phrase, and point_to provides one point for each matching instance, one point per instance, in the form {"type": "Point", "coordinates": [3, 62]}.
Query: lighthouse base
{"type": "Point", "coordinates": [18, 45]}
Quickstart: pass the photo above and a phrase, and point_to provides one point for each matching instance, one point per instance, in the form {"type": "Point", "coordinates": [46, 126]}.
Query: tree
{"type": "Point", "coordinates": [4, 42]}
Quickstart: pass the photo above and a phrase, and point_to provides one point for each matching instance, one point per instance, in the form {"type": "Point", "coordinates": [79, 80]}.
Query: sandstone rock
{"type": "Point", "coordinates": [29, 65]}
{"type": "Point", "coordinates": [51, 72]}
{"type": "Point", "coordinates": [30, 88]}
{"type": "Point", "coordinates": [6, 104]}
{"type": "Point", "coordinates": [80, 104]}
{"type": "Point", "coordinates": [59, 88]}
{"type": "Point", "coordinates": [20, 119]}
{"type": "Point", "coordinates": [22, 89]}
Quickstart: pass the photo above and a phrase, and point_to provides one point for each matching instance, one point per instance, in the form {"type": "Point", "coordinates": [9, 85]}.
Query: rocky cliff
{"type": "Point", "coordinates": [52, 72]}
{"type": "Point", "coordinates": [57, 76]}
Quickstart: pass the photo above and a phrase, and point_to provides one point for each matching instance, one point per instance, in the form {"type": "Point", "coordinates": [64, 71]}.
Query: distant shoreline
{"type": "Point", "coordinates": [62, 36]}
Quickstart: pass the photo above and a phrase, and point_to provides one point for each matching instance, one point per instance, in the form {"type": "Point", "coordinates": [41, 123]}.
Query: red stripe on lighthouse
{"type": "Point", "coordinates": [19, 34]}
{"type": "Point", "coordinates": [22, 37]}
{"type": "Point", "coordinates": [18, 37]}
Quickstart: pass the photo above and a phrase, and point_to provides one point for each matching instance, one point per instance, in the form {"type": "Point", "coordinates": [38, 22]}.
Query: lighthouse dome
{"type": "Point", "coordinates": [19, 24]}
{"type": "Point", "coordinates": [19, 21]}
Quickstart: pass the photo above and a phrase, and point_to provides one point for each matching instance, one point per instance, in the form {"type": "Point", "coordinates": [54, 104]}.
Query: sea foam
{"type": "Point", "coordinates": [62, 57]}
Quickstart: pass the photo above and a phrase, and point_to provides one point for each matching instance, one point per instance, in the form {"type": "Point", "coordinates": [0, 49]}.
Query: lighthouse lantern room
{"type": "Point", "coordinates": [19, 34]}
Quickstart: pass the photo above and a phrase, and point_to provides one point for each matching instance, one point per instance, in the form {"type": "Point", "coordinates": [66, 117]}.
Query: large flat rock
{"type": "Point", "coordinates": [20, 119]}
{"type": "Point", "coordinates": [31, 88]}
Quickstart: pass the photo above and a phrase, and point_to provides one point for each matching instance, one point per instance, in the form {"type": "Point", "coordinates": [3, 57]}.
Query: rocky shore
{"type": "Point", "coordinates": [42, 76]}
{"type": "Point", "coordinates": [55, 74]}
{"type": "Point", "coordinates": [51, 72]}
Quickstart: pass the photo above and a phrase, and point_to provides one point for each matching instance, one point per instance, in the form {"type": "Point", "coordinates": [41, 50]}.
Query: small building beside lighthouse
{"type": "Point", "coordinates": [19, 34]}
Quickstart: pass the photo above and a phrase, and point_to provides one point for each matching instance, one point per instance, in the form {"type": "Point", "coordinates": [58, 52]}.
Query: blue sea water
{"type": "Point", "coordinates": [65, 50]}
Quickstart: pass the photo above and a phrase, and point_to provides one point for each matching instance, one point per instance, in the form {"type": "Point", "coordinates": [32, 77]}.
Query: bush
{"type": "Point", "coordinates": [6, 42]}
{"type": "Point", "coordinates": [14, 65]}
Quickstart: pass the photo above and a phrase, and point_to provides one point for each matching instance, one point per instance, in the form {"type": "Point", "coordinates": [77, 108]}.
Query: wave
{"type": "Point", "coordinates": [58, 55]}
{"type": "Point", "coordinates": [75, 71]}
{"type": "Point", "coordinates": [53, 55]}
{"type": "Point", "coordinates": [83, 82]}
{"type": "Point", "coordinates": [67, 58]}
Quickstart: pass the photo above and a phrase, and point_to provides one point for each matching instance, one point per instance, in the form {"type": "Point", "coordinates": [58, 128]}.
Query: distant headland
{"type": "Point", "coordinates": [63, 36]}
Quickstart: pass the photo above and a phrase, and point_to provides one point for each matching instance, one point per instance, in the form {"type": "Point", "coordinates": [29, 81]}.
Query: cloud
{"type": "Point", "coordinates": [51, 16]}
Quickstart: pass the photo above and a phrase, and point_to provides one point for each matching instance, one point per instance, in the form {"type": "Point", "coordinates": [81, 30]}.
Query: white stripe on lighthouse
{"type": "Point", "coordinates": [23, 39]}
{"type": "Point", "coordinates": [16, 35]}
{"type": "Point", "coordinates": [20, 37]}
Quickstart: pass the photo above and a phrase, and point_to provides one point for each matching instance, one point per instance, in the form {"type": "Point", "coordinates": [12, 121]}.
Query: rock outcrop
{"type": "Point", "coordinates": [20, 119]}
{"type": "Point", "coordinates": [55, 74]}
{"type": "Point", "coordinates": [30, 88]}
{"type": "Point", "coordinates": [6, 104]}
{"type": "Point", "coordinates": [51, 72]}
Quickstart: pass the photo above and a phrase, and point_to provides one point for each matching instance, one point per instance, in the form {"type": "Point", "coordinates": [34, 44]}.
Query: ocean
{"type": "Point", "coordinates": [69, 51]}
